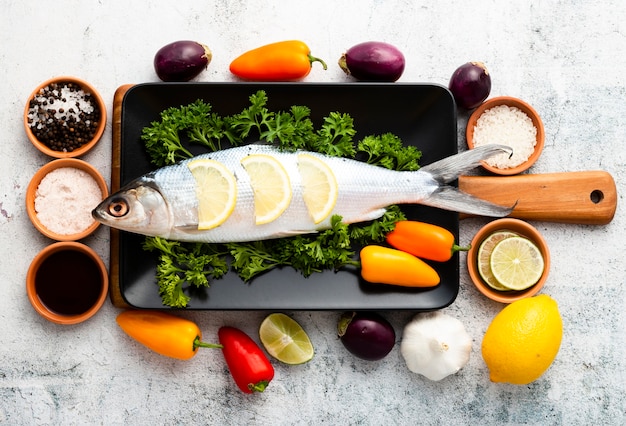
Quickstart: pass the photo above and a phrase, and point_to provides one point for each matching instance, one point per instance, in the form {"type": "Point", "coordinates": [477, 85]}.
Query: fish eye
{"type": "Point", "coordinates": [118, 207]}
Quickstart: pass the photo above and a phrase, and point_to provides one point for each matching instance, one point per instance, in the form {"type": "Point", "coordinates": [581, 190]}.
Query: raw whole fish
{"type": "Point", "coordinates": [164, 203]}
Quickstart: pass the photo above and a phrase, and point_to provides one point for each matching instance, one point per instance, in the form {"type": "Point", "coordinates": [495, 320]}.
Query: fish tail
{"type": "Point", "coordinates": [450, 198]}
{"type": "Point", "coordinates": [449, 169]}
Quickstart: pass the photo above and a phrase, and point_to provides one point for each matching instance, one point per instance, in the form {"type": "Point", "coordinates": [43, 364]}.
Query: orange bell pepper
{"type": "Point", "coordinates": [282, 61]}
{"type": "Point", "coordinates": [385, 265]}
{"type": "Point", "coordinates": [424, 240]}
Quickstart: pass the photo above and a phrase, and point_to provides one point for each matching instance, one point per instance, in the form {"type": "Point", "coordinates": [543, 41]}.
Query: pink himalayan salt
{"type": "Point", "coordinates": [64, 200]}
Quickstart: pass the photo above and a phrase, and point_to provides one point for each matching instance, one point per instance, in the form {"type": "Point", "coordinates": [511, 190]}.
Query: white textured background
{"type": "Point", "coordinates": [566, 58]}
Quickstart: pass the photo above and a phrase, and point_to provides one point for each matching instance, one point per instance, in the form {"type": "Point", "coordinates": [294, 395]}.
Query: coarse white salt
{"type": "Point", "coordinates": [509, 126]}
{"type": "Point", "coordinates": [64, 200]}
{"type": "Point", "coordinates": [58, 104]}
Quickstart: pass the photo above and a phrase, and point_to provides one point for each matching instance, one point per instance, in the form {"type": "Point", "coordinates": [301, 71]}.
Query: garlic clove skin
{"type": "Point", "coordinates": [435, 345]}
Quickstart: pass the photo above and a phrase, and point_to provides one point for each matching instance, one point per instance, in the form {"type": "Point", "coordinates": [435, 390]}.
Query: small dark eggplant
{"type": "Point", "coordinates": [470, 84]}
{"type": "Point", "coordinates": [373, 61]}
{"type": "Point", "coordinates": [366, 335]}
{"type": "Point", "coordinates": [181, 60]}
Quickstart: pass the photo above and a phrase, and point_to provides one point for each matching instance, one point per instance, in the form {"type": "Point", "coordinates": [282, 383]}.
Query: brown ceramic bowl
{"type": "Point", "coordinates": [529, 111]}
{"type": "Point", "coordinates": [522, 228]}
{"type": "Point", "coordinates": [88, 145]}
{"type": "Point", "coordinates": [31, 195]}
{"type": "Point", "coordinates": [67, 283]}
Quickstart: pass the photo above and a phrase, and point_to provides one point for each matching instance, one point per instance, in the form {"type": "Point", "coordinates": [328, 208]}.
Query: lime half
{"type": "Point", "coordinates": [285, 340]}
{"type": "Point", "coordinates": [484, 258]}
{"type": "Point", "coordinates": [516, 263]}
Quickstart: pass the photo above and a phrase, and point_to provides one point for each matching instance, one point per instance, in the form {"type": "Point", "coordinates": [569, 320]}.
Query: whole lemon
{"type": "Point", "coordinates": [522, 340]}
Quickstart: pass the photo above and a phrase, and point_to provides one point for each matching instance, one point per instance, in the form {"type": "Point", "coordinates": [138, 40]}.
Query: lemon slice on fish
{"type": "Point", "coordinates": [319, 186]}
{"type": "Point", "coordinates": [271, 186]}
{"type": "Point", "coordinates": [216, 190]}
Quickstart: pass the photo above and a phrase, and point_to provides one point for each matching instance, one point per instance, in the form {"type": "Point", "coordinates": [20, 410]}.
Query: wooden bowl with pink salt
{"type": "Point", "coordinates": [61, 196]}
{"type": "Point", "coordinates": [507, 121]}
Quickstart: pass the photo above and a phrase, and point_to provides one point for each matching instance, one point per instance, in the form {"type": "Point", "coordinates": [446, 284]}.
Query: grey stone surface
{"type": "Point", "coordinates": [566, 58]}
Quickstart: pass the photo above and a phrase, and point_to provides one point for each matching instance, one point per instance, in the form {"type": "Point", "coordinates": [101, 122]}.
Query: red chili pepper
{"type": "Point", "coordinates": [282, 61]}
{"type": "Point", "coordinates": [246, 361]}
{"type": "Point", "coordinates": [424, 240]}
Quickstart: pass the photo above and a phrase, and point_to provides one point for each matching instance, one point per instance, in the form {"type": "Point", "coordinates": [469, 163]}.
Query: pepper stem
{"type": "Point", "coordinates": [456, 248]}
{"type": "Point", "coordinates": [258, 387]}
{"type": "Point", "coordinates": [200, 344]}
{"type": "Point", "coordinates": [314, 59]}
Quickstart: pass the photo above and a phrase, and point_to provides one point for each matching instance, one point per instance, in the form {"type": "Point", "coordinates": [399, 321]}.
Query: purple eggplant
{"type": "Point", "coordinates": [373, 61]}
{"type": "Point", "coordinates": [181, 60]}
{"type": "Point", "coordinates": [366, 335]}
{"type": "Point", "coordinates": [470, 84]}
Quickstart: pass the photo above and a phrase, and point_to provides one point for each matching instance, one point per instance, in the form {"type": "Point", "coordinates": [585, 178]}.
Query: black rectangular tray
{"type": "Point", "coordinates": [423, 115]}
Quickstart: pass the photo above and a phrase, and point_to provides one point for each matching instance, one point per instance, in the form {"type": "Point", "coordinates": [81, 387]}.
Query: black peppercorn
{"type": "Point", "coordinates": [71, 123]}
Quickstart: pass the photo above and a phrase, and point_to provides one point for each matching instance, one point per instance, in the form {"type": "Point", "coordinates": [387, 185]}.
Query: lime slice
{"type": "Point", "coordinates": [285, 340]}
{"type": "Point", "coordinates": [216, 191]}
{"type": "Point", "coordinates": [483, 258]}
{"type": "Point", "coordinates": [516, 263]}
{"type": "Point", "coordinates": [319, 186]}
{"type": "Point", "coordinates": [271, 186]}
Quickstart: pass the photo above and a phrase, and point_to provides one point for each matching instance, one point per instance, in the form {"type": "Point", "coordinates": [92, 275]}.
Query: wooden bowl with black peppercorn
{"type": "Point", "coordinates": [64, 117]}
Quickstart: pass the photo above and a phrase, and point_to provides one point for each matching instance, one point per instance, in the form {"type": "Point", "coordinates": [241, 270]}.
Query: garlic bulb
{"type": "Point", "coordinates": [435, 345]}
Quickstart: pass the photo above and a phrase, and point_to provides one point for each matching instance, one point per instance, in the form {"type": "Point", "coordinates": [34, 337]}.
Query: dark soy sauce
{"type": "Point", "coordinates": [68, 282]}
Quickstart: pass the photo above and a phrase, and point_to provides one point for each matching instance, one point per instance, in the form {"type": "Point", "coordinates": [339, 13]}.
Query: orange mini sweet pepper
{"type": "Point", "coordinates": [282, 61]}
{"type": "Point", "coordinates": [383, 265]}
{"type": "Point", "coordinates": [166, 334]}
{"type": "Point", "coordinates": [424, 240]}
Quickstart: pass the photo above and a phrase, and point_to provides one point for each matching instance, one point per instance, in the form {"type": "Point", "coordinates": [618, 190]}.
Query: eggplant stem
{"type": "Point", "coordinates": [344, 321]}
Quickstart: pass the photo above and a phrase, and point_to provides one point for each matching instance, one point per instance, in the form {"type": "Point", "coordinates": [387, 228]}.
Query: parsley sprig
{"type": "Point", "coordinates": [184, 265]}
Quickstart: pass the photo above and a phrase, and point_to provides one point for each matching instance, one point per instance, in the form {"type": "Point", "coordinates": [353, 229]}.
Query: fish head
{"type": "Point", "coordinates": [139, 207]}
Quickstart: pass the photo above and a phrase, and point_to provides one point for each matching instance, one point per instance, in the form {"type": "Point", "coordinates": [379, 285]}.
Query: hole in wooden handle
{"type": "Point", "coordinates": [596, 196]}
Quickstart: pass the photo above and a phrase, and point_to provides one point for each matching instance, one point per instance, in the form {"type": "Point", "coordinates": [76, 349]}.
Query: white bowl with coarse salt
{"type": "Point", "coordinates": [507, 121]}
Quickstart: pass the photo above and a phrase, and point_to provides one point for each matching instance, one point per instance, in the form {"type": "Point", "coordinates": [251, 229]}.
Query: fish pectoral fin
{"type": "Point", "coordinates": [370, 215]}
{"type": "Point", "coordinates": [189, 229]}
{"type": "Point", "coordinates": [293, 233]}
{"type": "Point", "coordinates": [193, 229]}
{"type": "Point", "coordinates": [451, 198]}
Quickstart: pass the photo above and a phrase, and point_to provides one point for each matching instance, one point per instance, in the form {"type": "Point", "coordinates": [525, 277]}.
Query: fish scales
{"type": "Point", "coordinates": [164, 202]}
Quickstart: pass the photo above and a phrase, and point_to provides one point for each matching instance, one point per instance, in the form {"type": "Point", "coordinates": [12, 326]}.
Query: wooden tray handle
{"type": "Point", "coordinates": [587, 197]}
{"type": "Point", "coordinates": [115, 293]}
